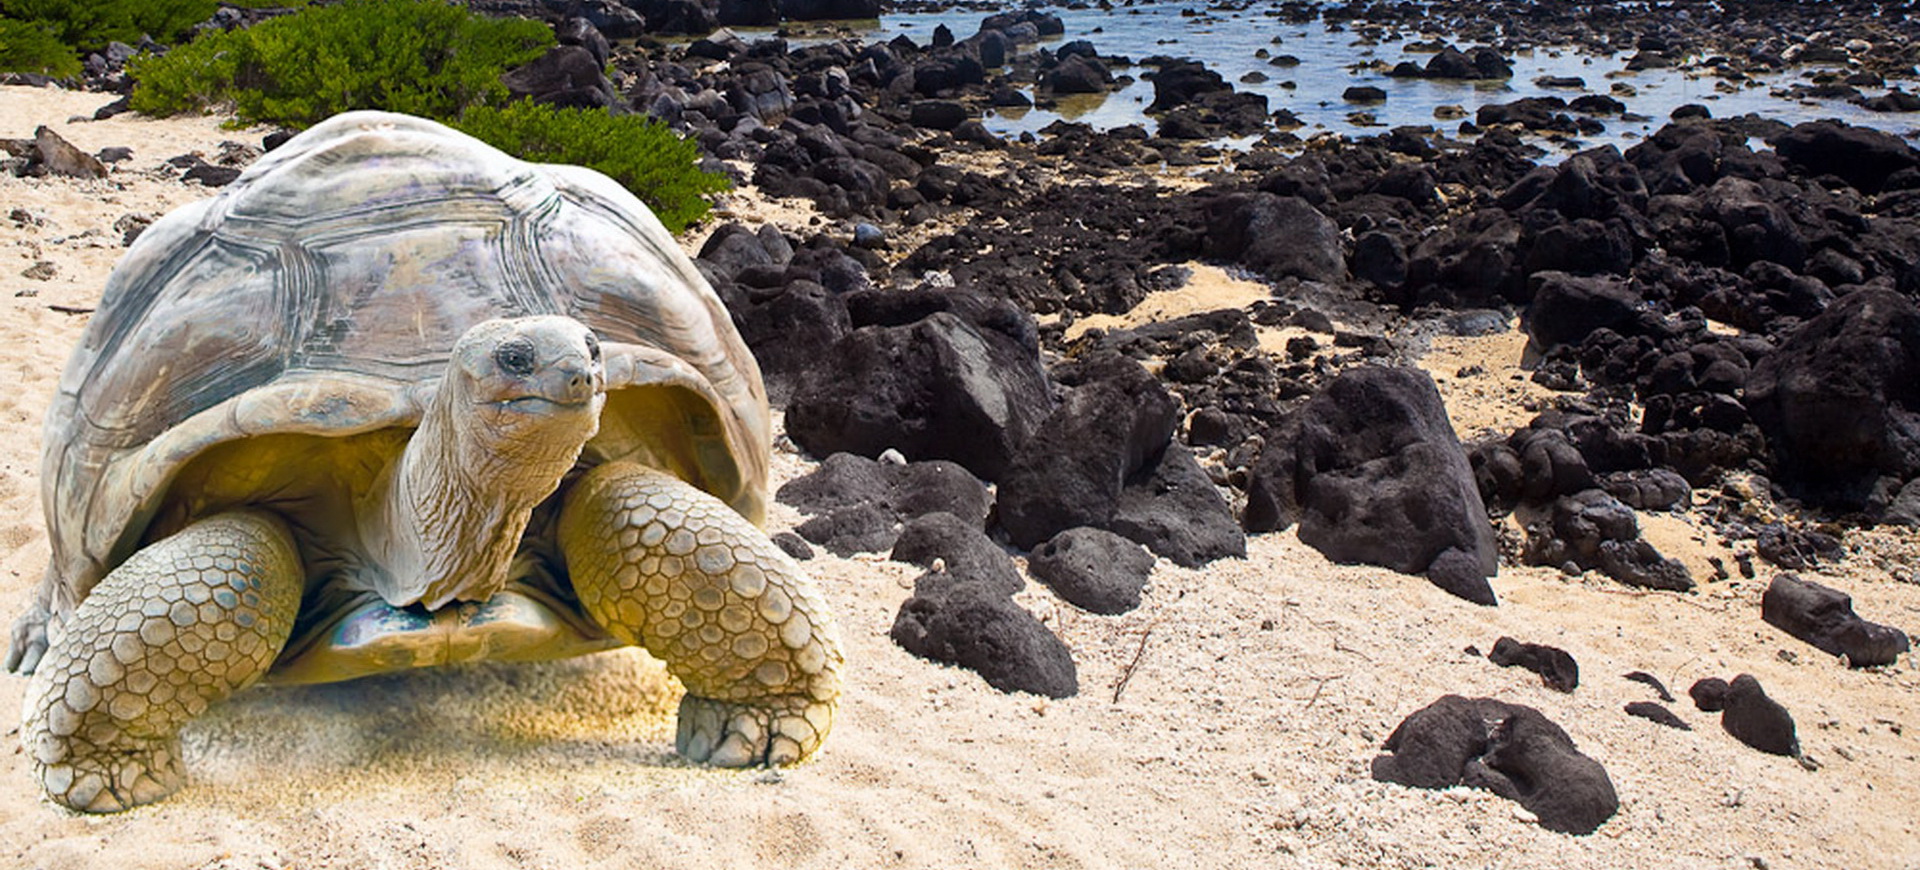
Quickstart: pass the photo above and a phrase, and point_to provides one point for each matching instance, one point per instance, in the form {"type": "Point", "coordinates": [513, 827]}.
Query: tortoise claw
{"type": "Point", "coordinates": [29, 642]}
{"type": "Point", "coordinates": [779, 732]}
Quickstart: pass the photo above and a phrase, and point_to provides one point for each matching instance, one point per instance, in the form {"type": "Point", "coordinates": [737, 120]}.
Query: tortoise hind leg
{"type": "Point", "coordinates": [180, 625]}
{"type": "Point", "coordinates": [659, 563]}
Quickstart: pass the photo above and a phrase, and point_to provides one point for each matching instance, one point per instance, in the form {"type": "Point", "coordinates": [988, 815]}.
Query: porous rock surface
{"type": "Point", "coordinates": [1511, 750]}
{"type": "Point", "coordinates": [1373, 473]}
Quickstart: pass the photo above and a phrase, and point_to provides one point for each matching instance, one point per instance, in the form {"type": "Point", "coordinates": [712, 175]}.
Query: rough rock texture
{"type": "Point", "coordinates": [1172, 508]}
{"type": "Point", "coordinates": [1864, 157]}
{"type": "Point", "coordinates": [1656, 713]}
{"type": "Point", "coordinates": [1113, 423]}
{"type": "Point", "coordinates": [567, 76]}
{"type": "Point", "coordinates": [1508, 749]}
{"type": "Point", "coordinates": [1567, 308]}
{"type": "Point", "coordinates": [1372, 471]}
{"type": "Point", "coordinates": [937, 388]}
{"type": "Point", "coordinates": [1840, 399]}
{"type": "Point", "coordinates": [971, 624]}
{"type": "Point", "coordinates": [1748, 714]}
{"type": "Point", "coordinates": [57, 156]}
{"type": "Point", "coordinates": [1093, 569]}
{"type": "Point", "coordinates": [1824, 617]}
{"type": "Point", "coordinates": [859, 504]}
{"type": "Point", "coordinates": [1591, 530]}
{"type": "Point", "coordinates": [1555, 666]}
{"type": "Point", "coordinates": [961, 547]}
{"type": "Point", "coordinates": [1279, 236]}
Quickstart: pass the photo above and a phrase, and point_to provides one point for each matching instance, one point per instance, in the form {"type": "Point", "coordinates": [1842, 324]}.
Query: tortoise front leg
{"type": "Point", "coordinates": [659, 563]}
{"type": "Point", "coordinates": [180, 625]}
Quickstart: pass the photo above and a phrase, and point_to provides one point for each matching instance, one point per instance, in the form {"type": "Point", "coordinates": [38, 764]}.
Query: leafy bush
{"type": "Point", "coordinates": [641, 153]}
{"type": "Point", "coordinates": [422, 57]}
{"type": "Point", "coordinates": [426, 58]}
{"type": "Point", "coordinates": [88, 25]}
{"type": "Point", "coordinates": [30, 48]}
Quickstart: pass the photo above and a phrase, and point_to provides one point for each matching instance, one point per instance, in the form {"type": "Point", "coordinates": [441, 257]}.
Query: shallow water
{"type": "Point", "coordinates": [1331, 60]}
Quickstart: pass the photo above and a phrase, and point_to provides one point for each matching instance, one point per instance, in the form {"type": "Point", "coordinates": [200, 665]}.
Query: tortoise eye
{"type": "Point", "coordinates": [514, 356]}
{"type": "Point", "coordinates": [593, 346]}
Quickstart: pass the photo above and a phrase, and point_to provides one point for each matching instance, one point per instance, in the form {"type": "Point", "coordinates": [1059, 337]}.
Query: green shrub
{"type": "Point", "coordinates": [30, 48]}
{"type": "Point", "coordinates": [422, 57]}
{"type": "Point", "coordinates": [641, 153]}
{"type": "Point", "coordinates": [88, 25]}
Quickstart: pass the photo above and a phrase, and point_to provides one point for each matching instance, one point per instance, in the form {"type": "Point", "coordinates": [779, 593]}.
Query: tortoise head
{"type": "Point", "coordinates": [527, 383]}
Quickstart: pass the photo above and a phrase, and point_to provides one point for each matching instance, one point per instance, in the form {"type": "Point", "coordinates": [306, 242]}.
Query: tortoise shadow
{"type": "Point", "coordinates": [617, 706]}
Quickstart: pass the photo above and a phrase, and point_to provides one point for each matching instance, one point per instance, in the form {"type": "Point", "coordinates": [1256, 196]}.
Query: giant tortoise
{"type": "Point", "coordinates": [394, 399]}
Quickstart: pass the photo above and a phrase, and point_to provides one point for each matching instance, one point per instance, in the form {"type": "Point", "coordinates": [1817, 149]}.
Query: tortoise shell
{"type": "Point", "coordinates": [320, 294]}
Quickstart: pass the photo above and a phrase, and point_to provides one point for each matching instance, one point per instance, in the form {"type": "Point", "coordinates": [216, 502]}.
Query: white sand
{"type": "Point", "coordinates": [1242, 737]}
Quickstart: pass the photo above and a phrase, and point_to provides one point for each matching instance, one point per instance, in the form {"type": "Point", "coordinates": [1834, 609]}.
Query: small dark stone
{"type": "Point", "coordinates": [1364, 94]}
{"type": "Point", "coordinates": [1092, 569]}
{"type": "Point", "coordinates": [1757, 720]}
{"type": "Point", "coordinates": [1710, 694]}
{"type": "Point", "coordinates": [863, 528]}
{"type": "Point", "coordinates": [60, 157]}
{"type": "Point", "coordinates": [1824, 617]}
{"type": "Point", "coordinates": [115, 154]}
{"type": "Point", "coordinates": [962, 546]}
{"type": "Point", "coordinates": [793, 545]}
{"type": "Point", "coordinates": [1649, 489]}
{"type": "Point", "coordinates": [1656, 713]}
{"type": "Point", "coordinates": [1651, 680]}
{"type": "Point", "coordinates": [1508, 749]}
{"type": "Point", "coordinates": [1555, 666]}
{"type": "Point", "coordinates": [977, 627]}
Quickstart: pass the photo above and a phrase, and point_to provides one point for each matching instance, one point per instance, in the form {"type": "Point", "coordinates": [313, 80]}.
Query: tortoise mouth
{"type": "Point", "coordinates": [544, 405]}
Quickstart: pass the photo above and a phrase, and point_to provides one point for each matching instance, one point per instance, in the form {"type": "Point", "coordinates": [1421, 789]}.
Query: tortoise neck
{"type": "Point", "coordinates": [456, 503]}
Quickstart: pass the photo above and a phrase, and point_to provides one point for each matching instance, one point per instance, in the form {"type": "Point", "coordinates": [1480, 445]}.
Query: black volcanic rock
{"type": "Point", "coordinates": [961, 546]}
{"type": "Point", "coordinates": [1092, 569]}
{"type": "Point", "coordinates": [859, 505]}
{"type": "Point", "coordinates": [1593, 530]}
{"type": "Point", "coordinates": [1748, 714]}
{"type": "Point", "coordinates": [1840, 399]}
{"type": "Point", "coordinates": [1863, 156]}
{"type": "Point", "coordinates": [1656, 713]}
{"type": "Point", "coordinates": [1824, 617]}
{"type": "Point", "coordinates": [1511, 750]}
{"type": "Point", "coordinates": [1113, 423]}
{"type": "Point", "coordinates": [1172, 508]}
{"type": "Point", "coordinates": [1371, 469]}
{"type": "Point", "coordinates": [937, 388]}
{"type": "Point", "coordinates": [1180, 83]}
{"type": "Point", "coordinates": [566, 76]}
{"type": "Point", "coordinates": [1567, 308]}
{"type": "Point", "coordinates": [1555, 666]}
{"type": "Point", "coordinates": [1279, 236]}
{"type": "Point", "coordinates": [974, 625]}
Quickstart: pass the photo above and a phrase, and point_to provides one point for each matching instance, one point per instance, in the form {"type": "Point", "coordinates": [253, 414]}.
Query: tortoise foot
{"type": "Point", "coordinates": [730, 734]}
{"type": "Point", "coordinates": [110, 780]}
{"type": "Point", "coordinates": [178, 626]}
{"type": "Point", "coordinates": [658, 562]}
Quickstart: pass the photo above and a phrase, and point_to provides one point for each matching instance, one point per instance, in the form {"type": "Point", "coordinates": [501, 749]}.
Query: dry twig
{"type": "Point", "coordinates": [1127, 673]}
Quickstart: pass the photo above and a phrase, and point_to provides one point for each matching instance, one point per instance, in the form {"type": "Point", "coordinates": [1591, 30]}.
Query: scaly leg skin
{"type": "Point", "coordinates": [182, 624]}
{"type": "Point", "coordinates": [659, 563]}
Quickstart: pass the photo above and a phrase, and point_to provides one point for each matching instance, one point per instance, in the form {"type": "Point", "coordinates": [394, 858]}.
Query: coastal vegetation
{"type": "Point", "coordinates": [426, 58]}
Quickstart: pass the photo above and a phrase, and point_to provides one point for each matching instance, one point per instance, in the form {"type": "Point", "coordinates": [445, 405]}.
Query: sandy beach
{"type": "Point", "coordinates": [1227, 722]}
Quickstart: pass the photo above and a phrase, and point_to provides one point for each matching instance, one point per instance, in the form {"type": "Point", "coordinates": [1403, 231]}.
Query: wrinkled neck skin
{"type": "Point", "coordinates": [449, 514]}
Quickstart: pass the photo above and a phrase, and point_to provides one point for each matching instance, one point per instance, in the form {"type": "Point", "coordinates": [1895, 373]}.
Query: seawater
{"type": "Point", "coordinates": [1334, 58]}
